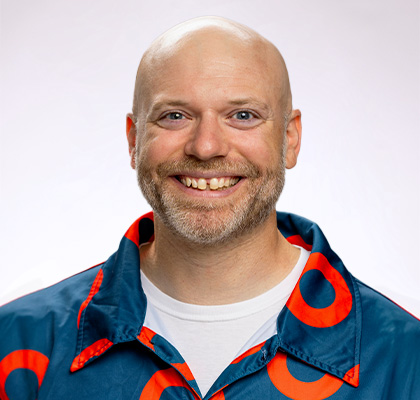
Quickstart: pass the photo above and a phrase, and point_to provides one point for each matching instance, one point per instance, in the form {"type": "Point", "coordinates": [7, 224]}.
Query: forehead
{"type": "Point", "coordinates": [211, 63]}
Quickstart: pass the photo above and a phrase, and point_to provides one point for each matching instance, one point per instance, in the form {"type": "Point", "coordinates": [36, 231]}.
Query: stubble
{"type": "Point", "coordinates": [209, 222]}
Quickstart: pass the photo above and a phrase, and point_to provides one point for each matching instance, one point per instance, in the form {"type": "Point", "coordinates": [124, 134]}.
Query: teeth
{"type": "Point", "coordinates": [213, 184]}
{"type": "Point", "coordinates": [202, 184]}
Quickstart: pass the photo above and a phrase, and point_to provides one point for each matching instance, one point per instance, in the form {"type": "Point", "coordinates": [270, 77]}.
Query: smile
{"type": "Point", "coordinates": [214, 183]}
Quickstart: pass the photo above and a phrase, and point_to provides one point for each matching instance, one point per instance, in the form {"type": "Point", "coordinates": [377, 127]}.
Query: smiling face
{"type": "Point", "coordinates": [210, 152]}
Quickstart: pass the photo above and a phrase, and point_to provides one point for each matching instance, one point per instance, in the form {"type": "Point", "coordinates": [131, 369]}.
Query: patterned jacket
{"type": "Point", "coordinates": [84, 338]}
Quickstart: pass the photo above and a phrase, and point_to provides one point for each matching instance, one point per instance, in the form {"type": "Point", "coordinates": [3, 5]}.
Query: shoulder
{"type": "Point", "coordinates": [52, 298]}
{"type": "Point", "coordinates": [382, 309]}
{"type": "Point", "coordinates": [389, 345]}
{"type": "Point", "coordinates": [33, 321]}
{"type": "Point", "coordinates": [387, 326]}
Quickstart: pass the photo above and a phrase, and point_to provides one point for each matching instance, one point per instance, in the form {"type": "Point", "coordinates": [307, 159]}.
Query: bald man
{"type": "Point", "coordinates": [213, 295]}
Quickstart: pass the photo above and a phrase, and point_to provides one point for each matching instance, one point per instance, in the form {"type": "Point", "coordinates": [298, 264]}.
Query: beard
{"type": "Point", "coordinates": [209, 222]}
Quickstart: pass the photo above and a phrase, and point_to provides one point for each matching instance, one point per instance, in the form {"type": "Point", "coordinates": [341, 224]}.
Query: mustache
{"type": "Point", "coordinates": [237, 168]}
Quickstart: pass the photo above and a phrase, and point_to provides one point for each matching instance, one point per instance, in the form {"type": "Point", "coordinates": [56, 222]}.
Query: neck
{"type": "Point", "coordinates": [227, 273]}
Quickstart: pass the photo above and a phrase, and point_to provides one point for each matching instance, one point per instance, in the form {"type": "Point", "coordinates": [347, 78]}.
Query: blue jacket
{"type": "Point", "coordinates": [84, 338]}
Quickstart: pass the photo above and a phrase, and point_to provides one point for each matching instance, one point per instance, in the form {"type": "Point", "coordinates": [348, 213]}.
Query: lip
{"type": "Point", "coordinates": [211, 194]}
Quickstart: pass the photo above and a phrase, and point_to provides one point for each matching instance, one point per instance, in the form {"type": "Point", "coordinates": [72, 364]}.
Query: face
{"type": "Point", "coordinates": [210, 149]}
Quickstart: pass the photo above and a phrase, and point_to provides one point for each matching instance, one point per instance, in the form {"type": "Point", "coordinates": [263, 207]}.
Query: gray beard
{"type": "Point", "coordinates": [205, 223]}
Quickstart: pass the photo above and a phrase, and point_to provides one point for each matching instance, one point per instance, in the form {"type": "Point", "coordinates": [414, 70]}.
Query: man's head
{"type": "Point", "coordinates": [212, 108]}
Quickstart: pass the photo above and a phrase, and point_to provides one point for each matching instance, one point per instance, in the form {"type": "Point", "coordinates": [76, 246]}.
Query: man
{"type": "Point", "coordinates": [213, 295]}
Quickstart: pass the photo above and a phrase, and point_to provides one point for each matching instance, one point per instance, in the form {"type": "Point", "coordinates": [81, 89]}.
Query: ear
{"type": "Point", "coordinates": [293, 137]}
{"type": "Point", "coordinates": [131, 138]}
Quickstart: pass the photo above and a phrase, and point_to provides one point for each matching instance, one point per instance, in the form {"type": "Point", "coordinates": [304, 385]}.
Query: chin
{"type": "Point", "coordinates": [207, 229]}
{"type": "Point", "coordinates": [215, 226]}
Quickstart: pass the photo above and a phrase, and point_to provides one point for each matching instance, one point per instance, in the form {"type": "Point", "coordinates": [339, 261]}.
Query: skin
{"type": "Point", "coordinates": [192, 86]}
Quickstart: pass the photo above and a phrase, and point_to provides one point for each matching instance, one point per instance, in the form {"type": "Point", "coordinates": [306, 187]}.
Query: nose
{"type": "Point", "coordinates": [207, 139]}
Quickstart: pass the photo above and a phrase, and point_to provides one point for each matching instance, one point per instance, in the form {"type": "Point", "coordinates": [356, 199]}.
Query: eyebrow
{"type": "Point", "coordinates": [172, 103]}
{"type": "Point", "coordinates": [250, 101]}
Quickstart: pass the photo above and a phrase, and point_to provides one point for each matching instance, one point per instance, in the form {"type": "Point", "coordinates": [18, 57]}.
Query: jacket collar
{"type": "Point", "coordinates": [320, 325]}
{"type": "Point", "coordinates": [115, 308]}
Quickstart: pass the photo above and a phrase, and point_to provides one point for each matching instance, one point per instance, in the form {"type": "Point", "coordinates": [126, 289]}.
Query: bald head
{"type": "Point", "coordinates": [208, 42]}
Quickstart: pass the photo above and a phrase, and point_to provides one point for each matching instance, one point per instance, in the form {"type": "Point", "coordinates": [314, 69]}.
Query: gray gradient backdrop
{"type": "Point", "coordinates": [67, 75]}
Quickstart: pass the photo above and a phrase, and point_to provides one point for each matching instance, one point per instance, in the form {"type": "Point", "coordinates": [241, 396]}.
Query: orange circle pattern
{"type": "Point", "coordinates": [328, 316]}
{"type": "Point", "coordinates": [291, 387]}
{"type": "Point", "coordinates": [162, 380]}
{"type": "Point", "coordinates": [28, 359]}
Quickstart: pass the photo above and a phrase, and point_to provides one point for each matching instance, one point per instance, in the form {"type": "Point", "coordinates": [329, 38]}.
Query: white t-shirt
{"type": "Point", "coordinates": [209, 338]}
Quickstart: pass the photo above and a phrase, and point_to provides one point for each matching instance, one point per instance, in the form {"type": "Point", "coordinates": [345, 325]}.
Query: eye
{"type": "Point", "coordinates": [174, 116]}
{"type": "Point", "coordinates": [243, 115]}
{"type": "Point", "coordinates": [173, 120]}
{"type": "Point", "coordinates": [244, 119]}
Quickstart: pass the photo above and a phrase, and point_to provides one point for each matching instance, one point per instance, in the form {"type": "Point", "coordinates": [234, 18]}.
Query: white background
{"type": "Point", "coordinates": [67, 76]}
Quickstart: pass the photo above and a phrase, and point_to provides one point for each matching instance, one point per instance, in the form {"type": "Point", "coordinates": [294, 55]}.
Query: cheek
{"type": "Point", "coordinates": [261, 149]}
{"type": "Point", "coordinates": [158, 148]}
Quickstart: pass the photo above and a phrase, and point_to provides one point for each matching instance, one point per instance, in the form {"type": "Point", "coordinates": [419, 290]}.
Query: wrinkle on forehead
{"type": "Point", "coordinates": [225, 40]}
